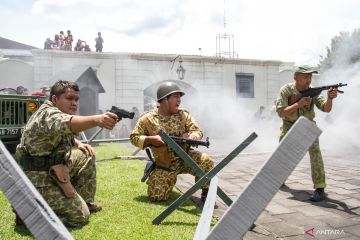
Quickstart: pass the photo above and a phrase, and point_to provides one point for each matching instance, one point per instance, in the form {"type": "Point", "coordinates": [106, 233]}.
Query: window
{"type": "Point", "coordinates": [245, 85]}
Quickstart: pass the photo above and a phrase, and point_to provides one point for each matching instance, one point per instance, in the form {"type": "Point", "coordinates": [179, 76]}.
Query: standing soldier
{"type": "Point", "coordinates": [176, 122]}
{"type": "Point", "coordinates": [290, 112]}
{"type": "Point", "coordinates": [65, 177]}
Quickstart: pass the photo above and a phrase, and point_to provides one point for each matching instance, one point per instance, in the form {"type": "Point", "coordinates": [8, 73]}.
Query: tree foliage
{"type": "Point", "coordinates": [343, 50]}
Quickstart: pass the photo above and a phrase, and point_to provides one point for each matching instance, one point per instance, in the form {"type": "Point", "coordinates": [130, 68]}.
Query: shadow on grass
{"type": "Point", "coordinates": [167, 203]}
{"type": "Point", "coordinates": [22, 230]}
{"type": "Point", "coordinates": [70, 229]}
{"type": "Point", "coordinates": [169, 223]}
{"type": "Point", "coordinates": [304, 196]}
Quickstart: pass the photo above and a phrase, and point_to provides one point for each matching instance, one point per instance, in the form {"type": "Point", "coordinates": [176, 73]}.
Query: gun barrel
{"type": "Point", "coordinates": [191, 142]}
{"type": "Point", "coordinates": [335, 85]}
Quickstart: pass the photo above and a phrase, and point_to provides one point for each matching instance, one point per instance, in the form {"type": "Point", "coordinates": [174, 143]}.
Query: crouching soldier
{"type": "Point", "coordinates": [175, 122]}
{"type": "Point", "coordinates": [63, 175]}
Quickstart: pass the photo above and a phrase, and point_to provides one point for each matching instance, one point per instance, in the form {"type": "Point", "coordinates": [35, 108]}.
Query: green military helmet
{"type": "Point", "coordinates": [167, 88]}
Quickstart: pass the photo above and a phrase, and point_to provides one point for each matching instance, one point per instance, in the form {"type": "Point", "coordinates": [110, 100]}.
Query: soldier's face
{"type": "Point", "coordinates": [303, 80]}
{"type": "Point", "coordinates": [67, 102]}
{"type": "Point", "coordinates": [174, 102]}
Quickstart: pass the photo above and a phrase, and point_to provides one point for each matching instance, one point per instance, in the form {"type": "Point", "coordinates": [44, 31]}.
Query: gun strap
{"type": "Point", "coordinates": [149, 153]}
{"type": "Point", "coordinates": [184, 116]}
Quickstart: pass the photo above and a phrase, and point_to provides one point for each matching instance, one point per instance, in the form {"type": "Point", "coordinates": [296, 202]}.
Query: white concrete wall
{"type": "Point", "coordinates": [124, 76]}
{"type": "Point", "coordinates": [14, 73]}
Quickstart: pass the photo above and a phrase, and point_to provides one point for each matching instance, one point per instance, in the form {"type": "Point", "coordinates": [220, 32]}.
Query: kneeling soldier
{"type": "Point", "coordinates": [65, 177]}
{"type": "Point", "coordinates": [176, 122]}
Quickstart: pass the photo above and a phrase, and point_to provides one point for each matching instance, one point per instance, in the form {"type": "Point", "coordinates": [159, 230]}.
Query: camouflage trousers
{"type": "Point", "coordinates": [161, 181]}
{"type": "Point", "coordinates": [72, 211]}
{"type": "Point", "coordinates": [316, 160]}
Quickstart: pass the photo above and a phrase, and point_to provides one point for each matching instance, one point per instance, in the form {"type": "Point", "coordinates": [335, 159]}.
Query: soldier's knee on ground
{"type": "Point", "coordinates": [72, 211]}
{"type": "Point", "coordinates": [76, 221]}
{"type": "Point", "coordinates": [160, 183]}
{"type": "Point", "coordinates": [76, 218]}
{"type": "Point", "coordinates": [158, 197]}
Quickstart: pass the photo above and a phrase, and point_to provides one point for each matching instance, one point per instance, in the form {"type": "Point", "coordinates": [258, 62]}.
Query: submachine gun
{"type": "Point", "coordinates": [151, 164]}
{"type": "Point", "coordinates": [312, 92]}
{"type": "Point", "coordinates": [192, 143]}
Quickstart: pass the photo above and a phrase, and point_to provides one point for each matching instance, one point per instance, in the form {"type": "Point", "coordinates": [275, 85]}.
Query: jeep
{"type": "Point", "coordinates": [15, 110]}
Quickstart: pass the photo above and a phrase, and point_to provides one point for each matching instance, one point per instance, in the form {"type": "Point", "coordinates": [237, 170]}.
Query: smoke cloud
{"type": "Point", "coordinates": [228, 121]}
{"type": "Point", "coordinates": [231, 121]}
{"type": "Point", "coordinates": [341, 126]}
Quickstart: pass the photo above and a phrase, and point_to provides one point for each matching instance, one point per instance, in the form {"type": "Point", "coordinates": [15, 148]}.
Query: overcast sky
{"type": "Point", "coordinates": [287, 30]}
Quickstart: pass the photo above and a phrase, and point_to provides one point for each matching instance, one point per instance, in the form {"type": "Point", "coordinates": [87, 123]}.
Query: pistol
{"type": "Point", "coordinates": [121, 113]}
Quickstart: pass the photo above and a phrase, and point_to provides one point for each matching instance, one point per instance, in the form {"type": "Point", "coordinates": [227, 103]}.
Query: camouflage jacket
{"type": "Point", "coordinates": [179, 124]}
{"type": "Point", "coordinates": [282, 102]}
{"type": "Point", "coordinates": [47, 130]}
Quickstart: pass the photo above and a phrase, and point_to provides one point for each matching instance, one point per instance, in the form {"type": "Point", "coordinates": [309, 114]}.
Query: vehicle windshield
{"type": "Point", "coordinates": [8, 91]}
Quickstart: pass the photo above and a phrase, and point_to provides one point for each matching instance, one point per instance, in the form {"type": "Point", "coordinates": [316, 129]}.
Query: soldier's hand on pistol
{"type": "Point", "coordinates": [304, 101]}
{"type": "Point", "coordinates": [332, 93]}
{"type": "Point", "coordinates": [108, 120]}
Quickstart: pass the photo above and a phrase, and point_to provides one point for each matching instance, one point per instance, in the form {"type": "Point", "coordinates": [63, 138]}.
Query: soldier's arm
{"type": "Point", "coordinates": [81, 123]}
{"type": "Point", "coordinates": [193, 130]}
{"type": "Point", "coordinates": [282, 103]}
{"type": "Point", "coordinates": [140, 137]}
{"type": "Point", "coordinates": [153, 140]}
{"type": "Point", "coordinates": [304, 101]}
{"type": "Point", "coordinates": [332, 93]}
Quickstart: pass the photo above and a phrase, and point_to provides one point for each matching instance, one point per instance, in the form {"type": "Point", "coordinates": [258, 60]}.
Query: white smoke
{"type": "Point", "coordinates": [341, 126]}
{"type": "Point", "coordinates": [231, 121]}
{"type": "Point", "coordinates": [228, 122]}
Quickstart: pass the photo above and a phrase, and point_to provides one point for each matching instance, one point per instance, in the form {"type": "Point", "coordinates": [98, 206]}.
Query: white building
{"type": "Point", "coordinates": [130, 80]}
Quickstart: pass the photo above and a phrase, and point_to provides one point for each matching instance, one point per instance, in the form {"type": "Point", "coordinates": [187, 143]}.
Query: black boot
{"type": "Point", "coordinates": [93, 207]}
{"type": "Point", "coordinates": [18, 220]}
{"type": "Point", "coordinates": [318, 195]}
{"type": "Point", "coordinates": [204, 194]}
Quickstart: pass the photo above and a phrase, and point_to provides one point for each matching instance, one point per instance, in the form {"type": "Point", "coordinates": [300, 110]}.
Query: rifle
{"type": "Point", "coordinates": [312, 92]}
{"type": "Point", "coordinates": [193, 143]}
{"type": "Point", "coordinates": [121, 113]}
{"type": "Point", "coordinates": [150, 165]}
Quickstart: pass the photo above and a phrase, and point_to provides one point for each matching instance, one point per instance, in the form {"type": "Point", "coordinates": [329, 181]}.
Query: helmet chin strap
{"type": "Point", "coordinates": [167, 106]}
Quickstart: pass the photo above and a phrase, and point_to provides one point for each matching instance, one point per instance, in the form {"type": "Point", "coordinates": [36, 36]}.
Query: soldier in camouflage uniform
{"type": "Point", "coordinates": [290, 112]}
{"type": "Point", "coordinates": [64, 176]}
{"type": "Point", "coordinates": [176, 122]}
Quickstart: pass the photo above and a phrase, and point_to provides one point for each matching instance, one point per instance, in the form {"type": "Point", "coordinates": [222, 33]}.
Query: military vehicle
{"type": "Point", "coordinates": [15, 111]}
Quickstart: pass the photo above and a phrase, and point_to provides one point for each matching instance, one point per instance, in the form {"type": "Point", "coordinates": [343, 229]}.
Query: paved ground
{"type": "Point", "coordinates": [290, 213]}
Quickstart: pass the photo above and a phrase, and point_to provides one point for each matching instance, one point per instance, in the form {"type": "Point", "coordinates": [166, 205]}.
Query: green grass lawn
{"type": "Point", "coordinates": [127, 213]}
